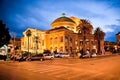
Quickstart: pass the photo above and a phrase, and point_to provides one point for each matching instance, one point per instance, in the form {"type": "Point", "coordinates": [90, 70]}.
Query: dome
{"type": "Point", "coordinates": [63, 21]}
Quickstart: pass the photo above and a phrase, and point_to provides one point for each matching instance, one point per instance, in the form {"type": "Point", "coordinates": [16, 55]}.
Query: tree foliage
{"type": "Point", "coordinates": [84, 26]}
{"type": "Point", "coordinates": [4, 34]}
{"type": "Point", "coordinates": [28, 33]}
{"type": "Point", "coordinates": [99, 34]}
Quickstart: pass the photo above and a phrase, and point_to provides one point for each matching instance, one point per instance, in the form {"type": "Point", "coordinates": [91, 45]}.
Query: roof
{"type": "Point", "coordinates": [63, 19]}
{"type": "Point", "coordinates": [58, 28]}
{"type": "Point", "coordinates": [62, 27]}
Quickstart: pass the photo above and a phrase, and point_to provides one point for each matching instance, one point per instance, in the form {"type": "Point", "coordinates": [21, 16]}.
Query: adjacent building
{"type": "Point", "coordinates": [109, 46]}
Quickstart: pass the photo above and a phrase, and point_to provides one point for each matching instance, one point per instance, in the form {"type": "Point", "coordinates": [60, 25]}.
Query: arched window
{"type": "Point", "coordinates": [61, 49]}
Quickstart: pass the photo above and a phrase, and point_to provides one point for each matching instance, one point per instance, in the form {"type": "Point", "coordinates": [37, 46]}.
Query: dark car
{"type": "Point", "coordinates": [21, 58]}
{"type": "Point", "coordinates": [3, 57]}
{"type": "Point", "coordinates": [15, 57]}
{"type": "Point", "coordinates": [35, 57]}
{"type": "Point", "coordinates": [24, 56]}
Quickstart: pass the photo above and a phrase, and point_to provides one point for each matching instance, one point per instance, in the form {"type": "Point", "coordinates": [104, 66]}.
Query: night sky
{"type": "Point", "coordinates": [18, 15]}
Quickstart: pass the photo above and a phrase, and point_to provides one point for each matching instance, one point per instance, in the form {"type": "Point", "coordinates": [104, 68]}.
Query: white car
{"type": "Point", "coordinates": [48, 56]}
{"type": "Point", "coordinates": [57, 55]}
{"type": "Point", "coordinates": [64, 55]}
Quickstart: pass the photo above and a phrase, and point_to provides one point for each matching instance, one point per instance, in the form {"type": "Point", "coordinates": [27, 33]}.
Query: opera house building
{"type": "Point", "coordinates": [67, 35]}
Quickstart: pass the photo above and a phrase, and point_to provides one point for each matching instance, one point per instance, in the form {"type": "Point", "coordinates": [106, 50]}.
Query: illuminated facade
{"type": "Point", "coordinates": [36, 41]}
{"type": "Point", "coordinates": [68, 34]}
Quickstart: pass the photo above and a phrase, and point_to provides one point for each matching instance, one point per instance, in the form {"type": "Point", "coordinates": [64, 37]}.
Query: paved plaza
{"type": "Point", "coordinates": [99, 68]}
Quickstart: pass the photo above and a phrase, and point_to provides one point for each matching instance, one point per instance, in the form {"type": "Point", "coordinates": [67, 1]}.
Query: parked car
{"type": "Point", "coordinates": [61, 55]}
{"type": "Point", "coordinates": [57, 55]}
{"type": "Point", "coordinates": [18, 57]}
{"type": "Point", "coordinates": [3, 57]}
{"type": "Point", "coordinates": [64, 55]}
{"type": "Point", "coordinates": [36, 57]}
{"type": "Point", "coordinates": [48, 56]}
{"type": "Point", "coordinates": [24, 56]}
{"type": "Point", "coordinates": [89, 55]}
{"type": "Point", "coordinates": [15, 57]}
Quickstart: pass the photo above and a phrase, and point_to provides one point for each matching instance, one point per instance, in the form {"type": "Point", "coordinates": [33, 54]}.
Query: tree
{"type": "Point", "coordinates": [4, 34]}
{"type": "Point", "coordinates": [84, 29]}
{"type": "Point", "coordinates": [85, 24]}
{"type": "Point", "coordinates": [28, 34]}
{"type": "Point", "coordinates": [99, 35]}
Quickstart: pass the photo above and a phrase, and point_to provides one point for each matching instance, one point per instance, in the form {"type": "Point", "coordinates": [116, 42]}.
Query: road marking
{"type": "Point", "coordinates": [45, 69]}
{"type": "Point", "coordinates": [58, 72]}
{"type": "Point", "coordinates": [50, 71]}
{"type": "Point", "coordinates": [38, 68]}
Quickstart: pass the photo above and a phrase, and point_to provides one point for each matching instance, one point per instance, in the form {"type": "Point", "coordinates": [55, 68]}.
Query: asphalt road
{"type": "Point", "coordinates": [100, 68]}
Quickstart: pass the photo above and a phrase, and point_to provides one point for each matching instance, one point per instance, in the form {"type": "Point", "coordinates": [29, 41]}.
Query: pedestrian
{"type": "Point", "coordinates": [92, 53]}
{"type": "Point", "coordinates": [103, 51]}
{"type": "Point", "coordinates": [119, 51]}
{"type": "Point", "coordinates": [88, 52]}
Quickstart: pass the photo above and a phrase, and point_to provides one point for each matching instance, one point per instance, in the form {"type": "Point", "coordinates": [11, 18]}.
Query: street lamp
{"type": "Point", "coordinates": [28, 34]}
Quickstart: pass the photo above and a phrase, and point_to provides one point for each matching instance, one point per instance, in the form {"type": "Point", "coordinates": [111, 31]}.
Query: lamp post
{"type": "Point", "coordinates": [28, 34]}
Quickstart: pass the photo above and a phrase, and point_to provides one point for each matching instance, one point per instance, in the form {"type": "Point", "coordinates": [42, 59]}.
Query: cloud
{"type": "Point", "coordinates": [111, 31]}
{"type": "Point", "coordinates": [22, 14]}
{"type": "Point", "coordinates": [118, 20]}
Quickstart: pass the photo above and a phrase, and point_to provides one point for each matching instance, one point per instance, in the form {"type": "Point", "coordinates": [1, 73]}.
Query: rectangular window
{"type": "Point", "coordinates": [92, 42]}
{"type": "Point", "coordinates": [50, 40]}
{"type": "Point", "coordinates": [76, 42]}
{"type": "Point", "coordinates": [87, 42]}
{"type": "Point", "coordinates": [42, 42]}
{"type": "Point", "coordinates": [81, 42]}
{"type": "Point", "coordinates": [66, 39]}
{"type": "Point", "coordinates": [70, 39]}
{"type": "Point", "coordinates": [61, 39]}
{"type": "Point", "coordinates": [66, 48]}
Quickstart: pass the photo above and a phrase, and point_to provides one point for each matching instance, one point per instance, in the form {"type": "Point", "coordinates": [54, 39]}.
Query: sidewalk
{"type": "Point", "coordinates": [107, 54]}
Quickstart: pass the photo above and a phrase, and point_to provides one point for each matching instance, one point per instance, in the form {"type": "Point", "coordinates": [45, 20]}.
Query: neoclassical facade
{"type": "Point", "coordinates": [36, 41]}
{"type": "Point", "coordinates": [68, 34]}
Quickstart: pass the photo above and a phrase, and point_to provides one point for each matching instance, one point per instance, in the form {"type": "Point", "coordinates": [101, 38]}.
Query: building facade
{"type": "Point", "coordinates": [110, 46]}
{"type": "Point", "coordinates": [36, 41]}
{"type": "Point", "coordinates": [68, 35]}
